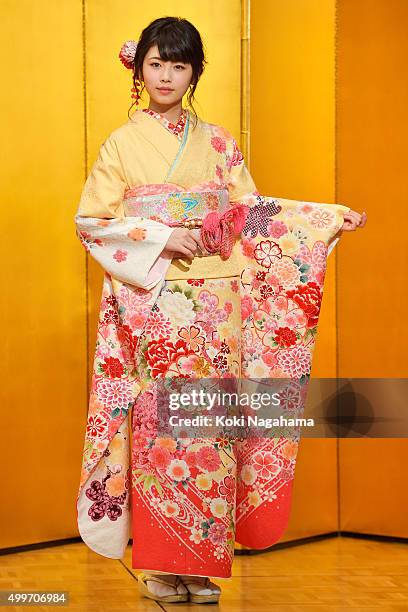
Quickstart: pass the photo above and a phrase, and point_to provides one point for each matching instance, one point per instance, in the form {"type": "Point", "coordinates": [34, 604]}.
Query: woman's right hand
{"type": "Point", "coordinates": [183, 241]}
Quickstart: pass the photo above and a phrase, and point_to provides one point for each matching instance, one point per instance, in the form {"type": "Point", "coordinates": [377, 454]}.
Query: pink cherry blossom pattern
{"type": "Point", "coordinates": [120, 255]}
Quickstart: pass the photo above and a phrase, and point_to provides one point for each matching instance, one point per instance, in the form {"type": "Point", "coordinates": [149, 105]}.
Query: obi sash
{"type": "Point", "coordinates": [206, 213]}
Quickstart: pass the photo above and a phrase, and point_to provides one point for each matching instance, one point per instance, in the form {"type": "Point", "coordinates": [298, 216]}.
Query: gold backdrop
{"type": "Point", "coordinates": [65, 91]}
{"type": "Point", "coordinates": [328, 124]}
{"type": "Point", "coordinates": [323, 121]}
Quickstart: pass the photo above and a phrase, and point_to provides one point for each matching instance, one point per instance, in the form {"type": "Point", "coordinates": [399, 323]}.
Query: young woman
{"type": "Point", "coordinates": [204, 279]}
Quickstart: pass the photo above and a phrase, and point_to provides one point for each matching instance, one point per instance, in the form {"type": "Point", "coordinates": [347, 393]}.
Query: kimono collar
{"type": "Point", "coordinates": [177, 129]}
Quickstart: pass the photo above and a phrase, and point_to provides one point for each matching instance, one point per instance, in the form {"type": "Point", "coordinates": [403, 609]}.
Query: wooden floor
{"type": "Point", "coordinates": [333, 574]}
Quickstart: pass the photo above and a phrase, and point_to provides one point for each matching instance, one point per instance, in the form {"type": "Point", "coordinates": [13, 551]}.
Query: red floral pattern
{"type": "Point", "coordinates": [193, 498]}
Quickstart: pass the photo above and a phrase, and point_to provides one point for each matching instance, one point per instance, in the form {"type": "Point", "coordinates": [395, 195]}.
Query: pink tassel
{"type": "Point", "coordinates": [219, 231]}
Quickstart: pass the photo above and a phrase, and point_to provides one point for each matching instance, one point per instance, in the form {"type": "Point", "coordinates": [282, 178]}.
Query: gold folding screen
{"type": "Point", "coordinates": [327, 122]}
{"type": "Point", "coordinates": [64, 90]}
{"type": "Point", "coordinates": [372, 280]}
{"type": "Point", "coordinates": [43, 361]}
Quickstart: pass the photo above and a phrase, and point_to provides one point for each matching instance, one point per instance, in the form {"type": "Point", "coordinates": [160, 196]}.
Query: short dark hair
{"type": "Point", "coordinates": [178, 41]}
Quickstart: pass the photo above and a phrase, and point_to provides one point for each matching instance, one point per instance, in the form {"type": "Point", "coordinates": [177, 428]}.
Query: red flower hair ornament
{"type": "Point", "coordinates": [127, 57]}
{"type": "Point", "coordinates": [127, 53]}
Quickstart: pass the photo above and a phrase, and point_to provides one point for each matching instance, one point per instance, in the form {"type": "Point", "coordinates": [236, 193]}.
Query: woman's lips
{"type": "Point", "coordinates": [165, 91]}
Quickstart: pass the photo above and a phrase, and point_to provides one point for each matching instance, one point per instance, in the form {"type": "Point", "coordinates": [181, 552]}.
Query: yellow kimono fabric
{"type": "Point", "coordinates": [142, 152]}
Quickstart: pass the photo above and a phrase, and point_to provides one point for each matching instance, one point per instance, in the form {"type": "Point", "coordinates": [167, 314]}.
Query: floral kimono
{"type": "Point", "coordinates": [246, 309]}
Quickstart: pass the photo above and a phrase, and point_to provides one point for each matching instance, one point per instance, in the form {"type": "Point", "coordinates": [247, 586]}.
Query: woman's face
{"type": "Point", "coordinates": [158, 74]}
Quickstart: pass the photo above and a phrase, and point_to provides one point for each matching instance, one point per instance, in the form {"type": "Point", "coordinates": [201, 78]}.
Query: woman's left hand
{"type": "Point", "coordinates": [352, 220]}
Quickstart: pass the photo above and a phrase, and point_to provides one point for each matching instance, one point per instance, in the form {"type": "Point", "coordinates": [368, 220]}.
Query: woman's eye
{"type": "Point", "coordinates": [177, 66]}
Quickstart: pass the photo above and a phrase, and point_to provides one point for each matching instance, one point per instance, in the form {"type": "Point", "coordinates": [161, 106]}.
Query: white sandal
{"type": "Point", "coordinates": [201, 589]}
{"type": "Point", "coordinates": [171, 598]}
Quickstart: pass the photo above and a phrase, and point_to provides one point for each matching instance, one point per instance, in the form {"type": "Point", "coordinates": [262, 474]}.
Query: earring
{"type": "Point", "coordinates": [136, 91]}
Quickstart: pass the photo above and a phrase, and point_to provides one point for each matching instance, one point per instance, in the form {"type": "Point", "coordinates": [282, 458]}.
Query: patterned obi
{"type": "Point", "coordinates": [207, 212]}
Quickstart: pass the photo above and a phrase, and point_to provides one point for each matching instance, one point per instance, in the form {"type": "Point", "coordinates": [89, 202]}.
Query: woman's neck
{"type": "Point", "coordinates": [171, 113]}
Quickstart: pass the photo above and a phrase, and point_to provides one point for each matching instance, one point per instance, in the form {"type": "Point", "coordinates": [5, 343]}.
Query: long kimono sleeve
{"type": "Point", "coordinates": [127, 247]}
{"type": "Point", "coordinates": [243, 190]}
